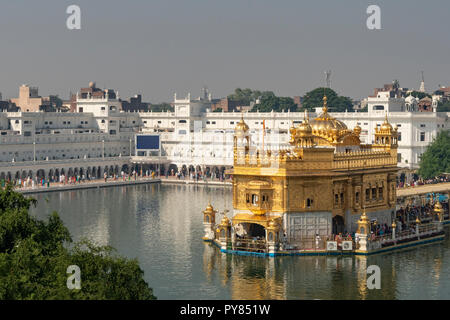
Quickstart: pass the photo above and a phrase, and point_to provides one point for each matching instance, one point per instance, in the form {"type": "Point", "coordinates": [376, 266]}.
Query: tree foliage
{"type": "Point", "coordinates": [34, 256]}
{"type": "Point", "coordinates": [436, 159]}
{"type": "Point", "coordinates": [420, 95]}
{"type": "Point", "coordinates": [161, 107]}
{"type": "Point", "coordinates": [267, 100]}
{"type": "Point", "coordinates": [336, 103]}
{"type": "Point", "coordinates": [443, 107]}
{"type": "Point", "coordinates": [245, 95]}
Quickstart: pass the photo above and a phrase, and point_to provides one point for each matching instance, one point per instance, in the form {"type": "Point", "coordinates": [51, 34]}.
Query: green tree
{"type": "Point", "coordinates": [268, 101]}
{"type": "Point", "coordinates": [443, 107]}
{"type": "Point", "coordinates": [34, 256]}
{"type": "Point", "coordinates": [336, 103]}
{"type": "Point", "coordinates": [420, 95]}
{"type": "Point", "coordinates": [218, 110]}
{"type": "Point", "coordinates": [161, 107]}
{"type": "Point", "coordinates": [436, 159]}
{"type": "Point", "coordinates": [245, 95]}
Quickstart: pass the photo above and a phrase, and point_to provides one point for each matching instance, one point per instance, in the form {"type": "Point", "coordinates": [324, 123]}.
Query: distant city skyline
{"type": "Point", "coordinates": [157, 48]}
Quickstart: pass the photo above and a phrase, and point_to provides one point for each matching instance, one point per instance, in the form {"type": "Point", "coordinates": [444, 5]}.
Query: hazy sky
{"type": "Point", "coordinates": [158, 47]}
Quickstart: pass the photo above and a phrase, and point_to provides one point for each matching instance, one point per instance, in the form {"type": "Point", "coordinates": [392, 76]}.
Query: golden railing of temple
{"type": "Point", "coordinates": [342, 160]}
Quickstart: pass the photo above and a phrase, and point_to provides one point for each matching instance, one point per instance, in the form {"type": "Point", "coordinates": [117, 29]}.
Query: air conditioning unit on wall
{"type": "Point", "coordinates": [331, 246]}
{"type": "Point", "coordinates": [347, 245]}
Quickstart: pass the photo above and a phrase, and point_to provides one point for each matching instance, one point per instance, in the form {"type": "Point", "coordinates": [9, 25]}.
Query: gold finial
{"type": "Point", "coordinates": [325, 108]}
{"type": "Point", "coordinates": [364, 216]}
{"type": "Point", "coordinates": [438, 205]}
{"type": "Point", "coordinates": [306, 116]}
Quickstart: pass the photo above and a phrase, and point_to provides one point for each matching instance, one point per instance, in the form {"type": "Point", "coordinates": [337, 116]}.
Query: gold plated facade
{"type": "Point", "coordinates": [320, 184]}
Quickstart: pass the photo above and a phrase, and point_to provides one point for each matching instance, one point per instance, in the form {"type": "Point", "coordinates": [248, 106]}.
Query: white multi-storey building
{"type": "Point", "coordinates": [192, 137]}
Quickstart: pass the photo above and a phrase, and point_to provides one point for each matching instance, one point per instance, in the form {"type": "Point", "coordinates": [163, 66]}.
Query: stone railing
{"type": "Point", "coordinates": [422, 231]}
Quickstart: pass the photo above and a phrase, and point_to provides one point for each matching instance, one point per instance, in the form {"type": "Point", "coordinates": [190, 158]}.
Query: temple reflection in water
{"type": "Point", "coordinates": [145, 222]}
{"type": "Point", "coordinates": [320, 277]}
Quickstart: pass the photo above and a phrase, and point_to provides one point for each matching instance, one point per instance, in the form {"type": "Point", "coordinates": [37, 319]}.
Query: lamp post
{"type": "Point", "coordinates": [130, 147]}
{"type": "Point", "coordinates": [103, 148]}
{"type": "Point", "coordinates": [394, 226]}
{"type": "Point", "coordinates": [34, 151]}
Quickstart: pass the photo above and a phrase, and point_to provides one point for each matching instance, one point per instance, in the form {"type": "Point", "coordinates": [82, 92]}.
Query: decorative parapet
{"type": "Point", "coordinates": [363, 159]}
{"type": "Point", "coordinates": [319, 159]}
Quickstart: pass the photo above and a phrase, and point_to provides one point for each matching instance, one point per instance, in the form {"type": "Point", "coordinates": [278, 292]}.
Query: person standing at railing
{"type": "Point", "coordinates": [317, 240]}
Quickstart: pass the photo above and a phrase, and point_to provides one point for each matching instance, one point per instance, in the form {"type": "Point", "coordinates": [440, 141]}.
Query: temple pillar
{"type": "Point", "coordinates": [209, 220]}
{"type": "Point", "coordinates": [272, 237]}
{"type": "Point", "coordinates": [224, 233]}
{"type": "Point", "coordinates": [394, 227]}
{"type": "Point", "coordinates": [363, 232]}
{"type": "Point", "coordinates": [417, 225]}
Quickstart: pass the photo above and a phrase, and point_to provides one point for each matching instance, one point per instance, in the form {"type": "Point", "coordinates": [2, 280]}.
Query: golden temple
{"type": "Point", "coordinates": [311, 190]}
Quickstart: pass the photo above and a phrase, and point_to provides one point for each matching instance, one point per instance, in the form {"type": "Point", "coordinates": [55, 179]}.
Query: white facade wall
{"type": "Point", "coordinates": [191, 135]}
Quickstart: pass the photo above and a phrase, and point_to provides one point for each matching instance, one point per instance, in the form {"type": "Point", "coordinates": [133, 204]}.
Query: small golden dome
{"type": "Point", "coordinates": [209, 209]}
{"type": "Point", "coordinates": [357, 130]}
{"type": "Point", "coordinates": [241, 126]}
{"type": "Point", "coordinates": [364, 217]}
{"type": "Point", "coordinates": [225, 221]}
{"type": "Point", "coordinates": [417, 220]}
{"type": "Point", "coordinates": [386, 126]}
{"type": "Point", "coordinates": [438, 206]}
{"type": "Point", "coordinates": [304, 129]}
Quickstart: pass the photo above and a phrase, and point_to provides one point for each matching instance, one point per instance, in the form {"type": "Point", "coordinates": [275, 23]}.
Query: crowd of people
{"type": "Point", "coordinates": [39, 182]}
{"type": "Point", "coordinates": [421, 182]}
{"type": "Point", "coordinates": [198, 175]}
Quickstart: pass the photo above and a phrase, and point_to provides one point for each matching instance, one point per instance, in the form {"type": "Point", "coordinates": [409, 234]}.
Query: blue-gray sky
{"type": "Point", "coordinates": [158, 47]}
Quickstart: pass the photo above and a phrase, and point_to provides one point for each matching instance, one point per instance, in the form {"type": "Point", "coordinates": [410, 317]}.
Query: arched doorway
{"type": "Point", "coordinates": [338, 224]}
{"type": "Point", "coordinates": [250, 237]}
{"type": "Point", "coordinates": [250, 230]}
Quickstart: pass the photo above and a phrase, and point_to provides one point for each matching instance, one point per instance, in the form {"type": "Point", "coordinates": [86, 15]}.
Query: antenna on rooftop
{"type": "Point", "coordinates": [422, 84]}
{"type": "Point", "coordinates": [328, 78]}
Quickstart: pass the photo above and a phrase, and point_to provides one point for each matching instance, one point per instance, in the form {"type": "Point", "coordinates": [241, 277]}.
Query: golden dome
{"type": "Point", "coordinates": [363, 218]}
{"type": "Point", "coordinates": [438, 206]}
{"type": "Point", "coordinates": [357, 130]}
{"type": "Point", "coordinates": [386, 126]}
{"type": "Point", "coordinates": [241, 126]}
{"type": "Point", "coordinates": [209, 209]}
{"type": "Point", "coordinates": [225, 221]}
{"type": "Point", "coordinates": [304, 129]}
{"type": "Point", "coordinates": [325, 122]}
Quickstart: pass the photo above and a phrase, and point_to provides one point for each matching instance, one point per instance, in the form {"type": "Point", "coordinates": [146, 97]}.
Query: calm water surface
{"type": "Point", "coordinates": [162, 227]}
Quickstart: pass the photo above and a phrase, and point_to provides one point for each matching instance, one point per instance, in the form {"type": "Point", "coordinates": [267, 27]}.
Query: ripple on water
{"type": "Point", "coordinates": [162, 226]}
